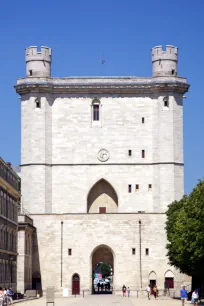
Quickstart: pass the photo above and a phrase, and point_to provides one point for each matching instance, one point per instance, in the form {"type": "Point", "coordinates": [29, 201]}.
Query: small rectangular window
{"type": "Point", "coordinates": [96, 112]}
{"type": "Point", "coordinates": [143, 153]}
{"type": "Point", "coordinates": [147, 252]}
{"type": "Point", "coordinates": [143, 119]}
{"type": "Point", "coordinates": [129, 188]}
{"type": "Point", "coordinates": [137, 187]}
{"type": "Point", "coordinates": [133, 251]}
{"type": "Point", "coordinates": [150, 187]}
{"type": "Point", "coordinates": [69, 252]}
{"type": "Point", "coordinates": [130, 152]}
{"type": "Point", "coordinates": [102, 210]}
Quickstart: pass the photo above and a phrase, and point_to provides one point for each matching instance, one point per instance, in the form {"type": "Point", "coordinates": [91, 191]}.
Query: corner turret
{"type": "Point", "coordinates": [38, 63]}
{"type": "Point", "coordinates": [164, 63]}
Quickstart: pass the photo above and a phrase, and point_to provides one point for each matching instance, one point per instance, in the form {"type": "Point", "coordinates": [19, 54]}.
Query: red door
{"type": "Point", "coordinates": [75, 284]}
{"type": "Point", "coordinates": [169, 282]}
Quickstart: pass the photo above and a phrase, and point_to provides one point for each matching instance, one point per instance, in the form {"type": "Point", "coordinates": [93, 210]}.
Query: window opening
{"type": "Point", "coordinates": [136, 187]}
{"type": "Point", "coordinates": [130, 152]}
{"type": "Point", "coordinates": [150, 187]}
{"type": "Point", "coordinates": [96, 112]}
{"type": "Point", "coordinates": [69, 252]}
{"type": "Point", "coordinates": [143, 153]}
{"type": "Point", "coordinates": [102, 210]}
{"type": "Point", "coordinates": [37, 103]}
{"type": "Point", "coordinates": [172, 71]}
{"type": "Point", "coordinates": [143, 119]}
{"type": "Point", "coordinates": [133, 251]}
{"type": "Point", "coordinates": [129, 188]}
{"type": "Point", "coordinates": [147, 252]}
{"type": "Point", "coordinates": [31, 72]}
{"type": "Point", "coordinates": [166, 102]}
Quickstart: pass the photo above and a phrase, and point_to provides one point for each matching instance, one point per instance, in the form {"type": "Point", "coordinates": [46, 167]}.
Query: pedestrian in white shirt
{"type": "Point", "coordinates": [195, 297]}
{"type": "Point", "coordinates": [148, 289]}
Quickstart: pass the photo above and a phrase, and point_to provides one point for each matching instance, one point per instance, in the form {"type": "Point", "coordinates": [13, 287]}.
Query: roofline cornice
{"type": "Point", "coordinates": [101, 86]}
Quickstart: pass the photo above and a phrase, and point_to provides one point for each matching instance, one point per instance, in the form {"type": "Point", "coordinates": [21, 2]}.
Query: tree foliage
{"type": "Point", "coordinates": [104, 268]}
{"type": "Point", "coordinates": [185, 232]}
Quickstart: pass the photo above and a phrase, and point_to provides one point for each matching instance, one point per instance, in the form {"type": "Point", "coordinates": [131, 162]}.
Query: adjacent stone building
{"type": "Point", "coordinates": [102, 158]}
{"type": "Point", "coordinates": [9, 205]}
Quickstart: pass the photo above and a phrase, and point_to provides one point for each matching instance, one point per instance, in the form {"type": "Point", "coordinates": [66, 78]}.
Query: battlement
{"type": "Point", "coordinates": [171, 53]}
{"type": "Point", "coordinates": [32, 54]}
{"type": "Point", "coordinates": [164, 62]}
{"type": "Point", "coordinates": [38, 63]}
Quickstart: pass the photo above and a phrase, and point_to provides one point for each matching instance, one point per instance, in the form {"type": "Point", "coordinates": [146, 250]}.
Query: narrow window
{"type": "Point", "coordinates": [172, 71]}
{"type": "Point", "coordinates": [31, 72]}
{"type": "Point", "coordinates": [102, 210]}
{"type": "Point", "coordinates": [137, 187]}
{"type": "Point", "coordinates": [129, 188]}
{"type": "Point", "coordinates": [143, 120]}
{"type": "Point", "coordinates": [96, 112]}
{"type": "Point", "coordinates": [69, 252]}
{"type": "Point", "coordinates": [166, 102]}
{"type": "Point", "coordinates": [130, 152]}
{"type": "Point", "coordinates": [133, 251]}
{"type": "Point", "coordinates": [143, 153]}
{"type": "Point", "coordinates": [37, 103]}
{"type": "Point", "coordinates": [147, 252]}
{"type": "Point", "coordinates": [150, 187]}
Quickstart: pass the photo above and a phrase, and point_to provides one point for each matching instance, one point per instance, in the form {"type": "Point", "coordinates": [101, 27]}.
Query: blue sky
{"type": "Point", "coordinates": [80, 32]}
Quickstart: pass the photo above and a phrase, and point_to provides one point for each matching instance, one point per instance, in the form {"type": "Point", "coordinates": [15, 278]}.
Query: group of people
{"type": "Point", "coordinates": [184, 295]}
{"type": "Point", "coordinates": [104, 287]}
{"type": "Point", "coordinates": [152, 290]}
{"type": "Point", "coordinates": [6, 295]}
{"type": "Point", "coordinates": [124, 290]}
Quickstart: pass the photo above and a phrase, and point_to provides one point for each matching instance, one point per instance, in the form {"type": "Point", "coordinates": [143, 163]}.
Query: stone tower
{"type": "Point", "coordinates": [164, 63]}
{"type": "Point", "coordinates": [102, 158]}
{"type": "Point", "coordinates": [38, 63]}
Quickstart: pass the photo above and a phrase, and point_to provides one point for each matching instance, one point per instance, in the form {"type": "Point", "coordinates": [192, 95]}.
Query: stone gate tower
{"type": "Point", "coordinates": [102, 158]}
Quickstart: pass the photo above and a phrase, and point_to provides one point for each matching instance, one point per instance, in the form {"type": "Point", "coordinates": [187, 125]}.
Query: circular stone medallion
{"type": "Point", "coordinates": [103, 155]}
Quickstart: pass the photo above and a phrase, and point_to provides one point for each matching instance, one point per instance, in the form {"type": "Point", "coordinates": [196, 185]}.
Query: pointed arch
{"type": "Point", "coordinates": [169, 279]}
{"type": "Point", "coordinates": [102, 194]}
{"type": "Point", "coordinates": [152, 276]}
{"type": "Point", "coordinates": [102, 254]}
{"type": "Point", "coordinates": [169, 273]}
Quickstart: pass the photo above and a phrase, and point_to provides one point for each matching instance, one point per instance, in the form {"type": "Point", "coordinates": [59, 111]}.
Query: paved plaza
{"type": "Point", "coordinates": [105, 300]}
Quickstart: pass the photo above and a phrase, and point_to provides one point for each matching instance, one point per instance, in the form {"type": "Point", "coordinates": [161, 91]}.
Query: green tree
{"type": "Point", "coordinates": [185, 232]}
{"type": "Point", "coordinates": [104, 268]}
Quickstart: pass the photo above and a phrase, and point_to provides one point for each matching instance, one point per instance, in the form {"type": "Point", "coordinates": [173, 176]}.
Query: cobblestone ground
{"type": "Point", "coordinates": [108, 300]}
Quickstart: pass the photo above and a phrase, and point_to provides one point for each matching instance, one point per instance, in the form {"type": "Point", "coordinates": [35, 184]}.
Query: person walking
{"type": "Point", "coordinates": [155, 291]}
{"type": "Point", "coordinates": [184, 295]}
{"type": "Point", "coordinates": [148, 289]}
{"type": "Point", "coordinates": [128, 291]}
{"type": "Point", "coordinates": [1, 296]}
{"type": "Point", "coordinates": [10, 294]}
{"type": "Point", "coordinates": [124, 290]}
{"type": "Point", "coordinates": [195, 297]}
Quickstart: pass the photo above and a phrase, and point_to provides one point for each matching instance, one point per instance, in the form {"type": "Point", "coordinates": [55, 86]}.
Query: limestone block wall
{"type": "Point", "coordinates": [60, 146]}
{"type": "Point", "coordinates": [82, 233]}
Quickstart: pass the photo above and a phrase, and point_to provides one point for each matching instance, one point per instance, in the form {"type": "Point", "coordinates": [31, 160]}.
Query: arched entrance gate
{"type": "Point", "coordinates": [102, 255]}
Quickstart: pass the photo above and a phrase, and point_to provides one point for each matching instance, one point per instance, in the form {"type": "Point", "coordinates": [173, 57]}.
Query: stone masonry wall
{"type": "Point", "coordinates": [84, 232]}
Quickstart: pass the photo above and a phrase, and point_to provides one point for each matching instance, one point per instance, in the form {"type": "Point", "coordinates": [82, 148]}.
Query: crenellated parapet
{"type": "Point", "coordinates": [164, 62]}
{"type": "Point", "coordinates": [38, 63]}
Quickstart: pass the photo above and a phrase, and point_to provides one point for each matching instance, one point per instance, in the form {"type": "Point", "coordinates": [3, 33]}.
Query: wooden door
{"type": "Point", "coordinates": [169, 282]}
{"type": "Point", "coordinates": [75, 284]}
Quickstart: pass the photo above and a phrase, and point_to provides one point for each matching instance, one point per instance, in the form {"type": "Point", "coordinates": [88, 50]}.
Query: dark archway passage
{"type": "Point", "coordinates": [102, 270]}
{"type": "Point", "coordinates": [102, 198]}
